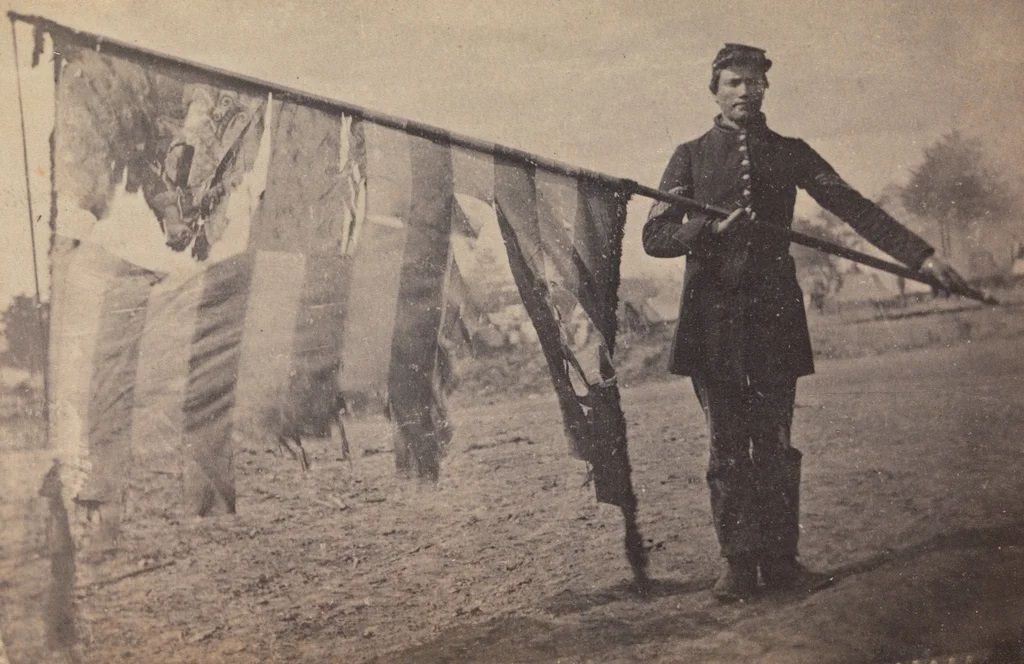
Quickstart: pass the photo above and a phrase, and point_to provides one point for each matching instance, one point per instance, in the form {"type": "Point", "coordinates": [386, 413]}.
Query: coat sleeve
{"type": "Point", "coordinates": [670, 231]}
{"type": "Point", "coordinates": [871, 222]}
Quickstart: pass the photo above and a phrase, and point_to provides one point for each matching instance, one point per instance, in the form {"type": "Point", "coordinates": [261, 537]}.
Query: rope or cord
{"type": "Point", "coordinates": [24, 151]}
{"type": "Point", "coordinates": [31, 220]}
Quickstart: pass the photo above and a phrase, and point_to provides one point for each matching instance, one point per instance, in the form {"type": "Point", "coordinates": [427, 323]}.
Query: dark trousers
{"type": "Point", "coordinates": [753, 471]}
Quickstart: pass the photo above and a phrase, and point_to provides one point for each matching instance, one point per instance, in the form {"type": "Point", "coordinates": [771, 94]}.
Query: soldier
{"type": "Point", "coordinates": [742, 333]}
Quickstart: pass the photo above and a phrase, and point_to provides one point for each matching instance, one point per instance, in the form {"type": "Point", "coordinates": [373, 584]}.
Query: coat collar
{"type": "Point", "coordinates": [757, 125]}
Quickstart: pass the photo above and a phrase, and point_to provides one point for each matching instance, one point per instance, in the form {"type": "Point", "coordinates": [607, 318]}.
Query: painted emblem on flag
{"type": "Point", "coordinates": [140, 145]}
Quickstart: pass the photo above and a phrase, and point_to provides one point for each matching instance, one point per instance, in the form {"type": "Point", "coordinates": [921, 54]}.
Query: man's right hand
{"type": "Point", "coordinates": [739, 218]}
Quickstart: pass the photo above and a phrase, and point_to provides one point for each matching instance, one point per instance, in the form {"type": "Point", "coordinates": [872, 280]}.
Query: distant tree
{"type": "Point", "coordinates": [25, 332]}
{"type": "Point", "coordinates": [956, 185]}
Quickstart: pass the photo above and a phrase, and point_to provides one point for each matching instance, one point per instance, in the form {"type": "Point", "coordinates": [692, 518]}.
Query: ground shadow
{"type": "Point", "coordinates": [571, 601]}
{"type": "Point", "coordinates": [518, 638]}
{"type": "Point", "coordinates": [1011, 534]}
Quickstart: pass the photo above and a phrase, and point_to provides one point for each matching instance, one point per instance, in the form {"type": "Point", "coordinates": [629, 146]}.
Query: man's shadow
{"type": "Point", "coordinates": [514, 638]}
{"type": "Point", "coordinates": [990, 537]}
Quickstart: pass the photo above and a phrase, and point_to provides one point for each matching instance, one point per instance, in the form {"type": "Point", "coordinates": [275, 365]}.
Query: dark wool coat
{"type": "Point", "coordinates": [742, 311]}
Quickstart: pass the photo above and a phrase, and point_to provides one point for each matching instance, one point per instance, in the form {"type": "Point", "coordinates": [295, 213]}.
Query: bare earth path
{"type": "Point", "coordinates": [913, 498]}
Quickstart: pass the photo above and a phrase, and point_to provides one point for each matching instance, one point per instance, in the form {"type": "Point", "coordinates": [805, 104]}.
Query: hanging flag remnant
{"type": "Point", "coordinates": [228, 256]}
{"type": "Point", "coordinates": [305, 251]}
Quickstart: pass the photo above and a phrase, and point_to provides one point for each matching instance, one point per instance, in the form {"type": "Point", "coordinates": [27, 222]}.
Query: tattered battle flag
{"type": "Point", "coordinates": [224, 261]}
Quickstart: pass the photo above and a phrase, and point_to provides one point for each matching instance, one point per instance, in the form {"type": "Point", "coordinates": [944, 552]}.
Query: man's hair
{"type": "Point", "coordinates": [715, 73]}
{"type": "Point", "coordinates": [739, 54]}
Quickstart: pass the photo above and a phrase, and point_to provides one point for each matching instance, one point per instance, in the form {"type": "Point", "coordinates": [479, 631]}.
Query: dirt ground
{"type": "Point", "coordinates": [913, 499]}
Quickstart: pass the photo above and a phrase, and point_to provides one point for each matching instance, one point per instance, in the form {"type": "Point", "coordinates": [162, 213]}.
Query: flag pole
{"type": "Point", "coordinates": [281, 92]}
{"type": "Point", "coordinates": [214, 74]}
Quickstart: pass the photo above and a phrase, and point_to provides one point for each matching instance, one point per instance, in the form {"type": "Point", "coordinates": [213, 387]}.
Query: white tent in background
{"type": "Point", "coordinates": [867, 286]}
{"type": "Point", "coordinates": [662, 308]}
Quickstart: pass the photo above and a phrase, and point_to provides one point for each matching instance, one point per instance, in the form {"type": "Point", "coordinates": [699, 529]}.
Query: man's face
{"type": "Point", "coordinates": [740, 92]}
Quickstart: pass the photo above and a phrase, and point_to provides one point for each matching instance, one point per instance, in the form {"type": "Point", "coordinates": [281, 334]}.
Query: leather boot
{"type": "Point", "coordinates": [738, 580]}
{"type": "Point", "coordinates": [778, 495]}
{"type": "Point", "coordinates": [785, 573]}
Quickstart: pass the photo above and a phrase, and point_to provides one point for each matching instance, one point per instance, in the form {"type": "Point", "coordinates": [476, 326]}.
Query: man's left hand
{"type": "Point", "coordinates": [940, 270]}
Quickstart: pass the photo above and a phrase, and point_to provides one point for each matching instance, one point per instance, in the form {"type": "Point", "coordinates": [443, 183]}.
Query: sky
{"type": "Point", "coordinates": [611, 86]}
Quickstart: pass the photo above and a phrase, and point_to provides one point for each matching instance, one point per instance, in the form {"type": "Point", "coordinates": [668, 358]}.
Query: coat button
{"type": "Point", "coordinates": [743, 148]}
{"type": "Point", "coordinates": [743, 136]}
{"type": "Point", "coordinates": [745, 162]}
{"type": "Point", "coordinates": [745, 176]}
{"type": "Point", "coordinates": [747, 193]}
